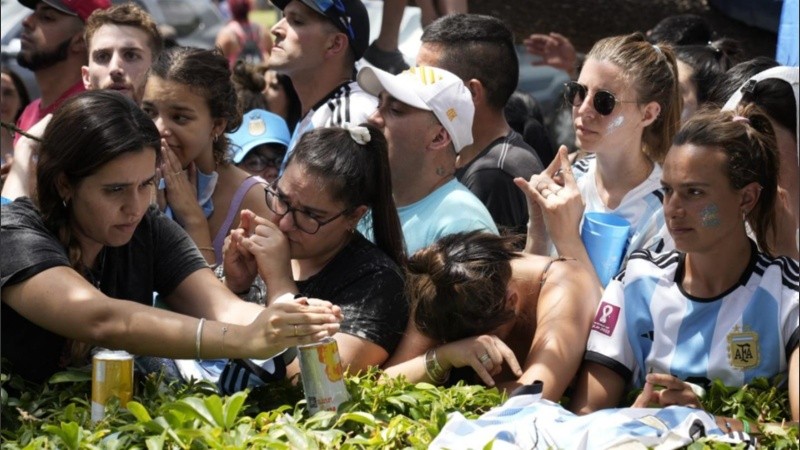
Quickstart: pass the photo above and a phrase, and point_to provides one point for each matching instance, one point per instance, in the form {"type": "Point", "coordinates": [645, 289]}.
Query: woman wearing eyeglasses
{"type": "Point", "coordinates": [626, 107]}
{"type": "Point", "coordinates": [308, 242]}
{"type": "Point", "coordinates": [190, 97]}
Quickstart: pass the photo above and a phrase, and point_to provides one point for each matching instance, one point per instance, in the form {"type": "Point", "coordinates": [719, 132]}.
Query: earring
{"type": "Point", "coordinates": [744, 215]}
{"type": "Point", "coordinates": [216, 136]}
{"type": "Point", "coordinates": [64, 202]}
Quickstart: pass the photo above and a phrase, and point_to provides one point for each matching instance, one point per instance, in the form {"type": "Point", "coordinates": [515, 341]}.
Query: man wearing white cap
{"type": "Point", "coordinates": [317, 43]}
{"type": "Point", "coordinates": [426, 115]}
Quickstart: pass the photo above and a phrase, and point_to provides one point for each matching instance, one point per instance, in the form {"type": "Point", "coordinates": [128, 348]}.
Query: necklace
{"type": "Point", "coordinates": [95, 276]}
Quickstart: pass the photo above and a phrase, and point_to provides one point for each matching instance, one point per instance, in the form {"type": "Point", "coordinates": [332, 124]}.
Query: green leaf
{"type": "Point", "coordinates": [155, 442]}
{"type": "Point", "coordinates": [197, 407]}
{"type": "Point", "coordinates": [214, 405]}
{"type": "Point", "coordinates": [70, 376]}
{"type": "Point", "coordinates": [139, 411]}
{"type": "Point", "coordinates": [232, 407]}
{"type": "Point", "coordinates": [359, 417]}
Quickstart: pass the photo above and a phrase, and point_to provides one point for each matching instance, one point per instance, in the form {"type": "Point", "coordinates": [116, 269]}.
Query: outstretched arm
{"type": "Point", "coordinates": [598, 387]}
{"type": "Point", "coordinates": [61, 301]}
{"type": "Point", "coordinates": [564, 312]}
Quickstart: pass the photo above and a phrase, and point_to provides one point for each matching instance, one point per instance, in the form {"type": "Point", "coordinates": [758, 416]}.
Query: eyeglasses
{"type": "Point", "coordinates": [602, 100]}
{"type": "Point", "coordinates": [302, 219]}
{"type": "Point", "coordinates": [256, 162]}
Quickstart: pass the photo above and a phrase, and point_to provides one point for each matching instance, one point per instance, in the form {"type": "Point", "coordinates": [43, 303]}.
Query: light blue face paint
{"type": "Point", "coordinates": [709, 216]}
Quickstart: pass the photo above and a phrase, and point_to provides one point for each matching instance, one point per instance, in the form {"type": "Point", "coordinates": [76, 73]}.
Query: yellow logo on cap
{"type": "Point", "coordinates": [426, 75]}
{"type": "Point", "coordinates": [256, 127]}
{"type": "Point", "coordinates": [743, 349]}
{"type": "Point", "coordinates": [451, 114]}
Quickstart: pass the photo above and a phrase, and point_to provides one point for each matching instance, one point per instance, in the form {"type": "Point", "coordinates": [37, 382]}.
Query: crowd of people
{"type": "Point", "coordinates": [212, 205]}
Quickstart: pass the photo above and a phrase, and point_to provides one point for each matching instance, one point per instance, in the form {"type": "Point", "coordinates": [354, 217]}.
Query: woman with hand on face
{"type": "Point", "coordinates": [626, 107]}
{"type": "Point", "coordinates": [717, 307]}
{"type": "Point", "coordinates": [478, 303]}
{"type": "Point", "coordinates": [82, 259]}
{"type": "Point", "coordinates": [308, 242]}
{"type": "Point", "coordinates": [190, 97]}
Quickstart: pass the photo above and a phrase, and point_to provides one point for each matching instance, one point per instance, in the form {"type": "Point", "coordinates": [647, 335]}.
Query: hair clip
{"type": "Point", "coordinates": [658, 49]}
{"type": "Point", "coordinates": [740, 119]}
{"type": "Point", "coordinates": [358, 133]}
{"type": "Point", "coordinates": [749, 87]}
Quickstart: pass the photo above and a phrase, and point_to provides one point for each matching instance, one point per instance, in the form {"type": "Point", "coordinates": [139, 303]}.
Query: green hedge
{"type": "Point", "coordinates": [386, 414]}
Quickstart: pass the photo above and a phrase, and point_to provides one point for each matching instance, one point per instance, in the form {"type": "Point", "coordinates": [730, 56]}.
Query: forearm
{"type": "Point", "coordinates": [537, 241]}
{"type": "Point", "coordinates": [414, 370]}
{"type": "Point", "coordinates": [19, 179]}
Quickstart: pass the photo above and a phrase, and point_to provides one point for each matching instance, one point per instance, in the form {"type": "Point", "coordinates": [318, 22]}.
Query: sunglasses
{"type": "Point", "coordinates": [602, 100]}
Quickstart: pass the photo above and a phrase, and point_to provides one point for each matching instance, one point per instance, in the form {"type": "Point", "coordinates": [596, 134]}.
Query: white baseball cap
{"type": "Point", "coordinates": [429, 88]}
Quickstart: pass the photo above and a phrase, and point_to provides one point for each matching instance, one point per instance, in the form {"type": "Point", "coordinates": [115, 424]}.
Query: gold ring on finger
{"type": "Point", "coordinates": [295, 331]}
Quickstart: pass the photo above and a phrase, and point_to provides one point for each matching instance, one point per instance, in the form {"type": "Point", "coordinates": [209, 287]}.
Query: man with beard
{"type": "Point", "coordinates": [122, 42]}
{"type": "Point", "coordinates": [54, 49]}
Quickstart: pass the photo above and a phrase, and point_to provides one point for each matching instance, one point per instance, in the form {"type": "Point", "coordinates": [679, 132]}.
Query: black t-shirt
{"type": "Point", "coordinates": [158, 258]}
{"type": "Point", "coordinates": [490, 176]}
{"type": "Point", "coordinates": [368, 286]}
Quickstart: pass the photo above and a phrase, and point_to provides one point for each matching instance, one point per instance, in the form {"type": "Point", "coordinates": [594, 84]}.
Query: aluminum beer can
{"type": "Point", "coordinates": [112, 376]}
{"type": "Point", "coordinates": [321, 372]}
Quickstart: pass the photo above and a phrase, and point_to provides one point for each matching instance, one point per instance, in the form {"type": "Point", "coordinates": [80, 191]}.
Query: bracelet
{"type": "Point", "coordinates": [207, 249]}
{"type": "Point", "coordinates": [198, 337]}
{"type": "Point", "coordinates": [433, 369]}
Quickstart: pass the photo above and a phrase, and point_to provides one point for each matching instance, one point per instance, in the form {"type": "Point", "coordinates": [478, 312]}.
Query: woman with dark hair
{"type": "Point", "coordinates": [477, 302]}
{"type": "Point", "coordinates": [191, 98]}
{"type": "Point", "coordinates": [13, 99]}
{"type": "Point", "coordinates": [82, 259]}
{"type": "Point", "coordinates": [775, 91]}
{"type": "Point", "coordinates": [308, 242]}
{"type": "Point", "coordinates": [700, 69]}
{"type": "Point", "coordinates": [717, 307]}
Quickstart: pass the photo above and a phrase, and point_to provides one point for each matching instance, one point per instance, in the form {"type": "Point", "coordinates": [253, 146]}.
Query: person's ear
{"type": "Point", "coordinates": [337, 44]}
{"type": "Point", "coordinates": [78, 44]}
{"type": "Point", "coordinates": [477, 91]}
{"type": "Point", "coordinates": [63, 187]}
{"type": "Point", "coordinates": [651, 112]}
{"type": "Point", "coordinates": [441, 138]}
{"type": "Point", "coordinates": [355, 216]}
{"type": "Point", "coordinates": [512, 298]}
{"type": "Point", "coordinates": [218, 128]}
{"type": "Point", "coordinates": [87, 82]}
{"type": "Point", "coordinates": [749, 197]}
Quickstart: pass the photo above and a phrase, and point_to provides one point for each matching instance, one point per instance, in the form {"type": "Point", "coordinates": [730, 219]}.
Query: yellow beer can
{"type": "Point", "coordinates": [112, 376]}
{"type": "Point", "coordinates": [321, 372]}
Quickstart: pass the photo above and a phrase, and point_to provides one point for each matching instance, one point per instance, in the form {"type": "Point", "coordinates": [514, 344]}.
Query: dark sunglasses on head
{"type": "Point", "coordinates": [602, 101]}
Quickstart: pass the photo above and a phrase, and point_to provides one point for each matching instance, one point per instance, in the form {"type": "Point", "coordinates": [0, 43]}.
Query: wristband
{"type": "Point", "coordinates": [433, 369]}
{"type": "Point", "coordinates": [198, 338]}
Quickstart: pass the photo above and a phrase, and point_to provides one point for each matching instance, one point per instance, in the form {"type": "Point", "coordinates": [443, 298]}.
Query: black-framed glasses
{"type": "Point", "coordinates": [256, 162]}
{"type": "Point", "coordinates": [602, 100]}
{"type": "Point", "coordinates": [304, 221]}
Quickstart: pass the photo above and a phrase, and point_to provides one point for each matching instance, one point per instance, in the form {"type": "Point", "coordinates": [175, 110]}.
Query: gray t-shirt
{"type": "Point", "coordinates": [159, 256]}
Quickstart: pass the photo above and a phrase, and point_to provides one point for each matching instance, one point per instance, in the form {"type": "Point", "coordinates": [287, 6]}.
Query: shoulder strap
{"type": "Point", "coordinates": [236, 202]}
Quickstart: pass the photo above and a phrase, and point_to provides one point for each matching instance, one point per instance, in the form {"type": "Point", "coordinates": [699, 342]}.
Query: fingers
{"type": "Point", "coordinates": [675, 392]}
{"type": "Point", "coordinates": [645, 398]}
{"type": "Point", "coordinates": [247, 221]}
{"type": "Point", "coordinates": [566, 167]}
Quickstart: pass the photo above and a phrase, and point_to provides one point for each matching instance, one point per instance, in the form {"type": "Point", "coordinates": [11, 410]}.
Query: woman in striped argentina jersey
{"type": "Point", "coordinates": [717, 307]}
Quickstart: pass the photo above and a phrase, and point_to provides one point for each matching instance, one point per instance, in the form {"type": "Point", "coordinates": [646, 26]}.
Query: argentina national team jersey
{"type": "Point", "coordinates": [646, 322]}
{"type": "Point", "coordinates": [641, 206]}
{"type": "Point", "coordinates": [348, 103]}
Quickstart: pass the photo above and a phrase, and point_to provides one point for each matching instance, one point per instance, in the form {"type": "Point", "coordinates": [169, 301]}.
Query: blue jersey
{"type": "Point", "coordinates": [647, 322]}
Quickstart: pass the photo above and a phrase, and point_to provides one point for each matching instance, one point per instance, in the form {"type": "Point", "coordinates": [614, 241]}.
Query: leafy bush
{"type": "Point", "coordinates": [385, 413]}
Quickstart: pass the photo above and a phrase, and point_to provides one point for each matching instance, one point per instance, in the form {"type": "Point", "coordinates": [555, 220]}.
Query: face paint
{"type": "Point", "coordinates": [616, 123]}
{"type": "Point", "coordinates": [709, 216]}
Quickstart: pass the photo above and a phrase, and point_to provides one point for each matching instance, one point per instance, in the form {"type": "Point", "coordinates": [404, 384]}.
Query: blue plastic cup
{"type": "Point", "coordinates": [605, 237]}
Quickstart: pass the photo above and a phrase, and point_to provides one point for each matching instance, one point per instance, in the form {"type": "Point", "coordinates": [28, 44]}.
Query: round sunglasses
{"type": "Point", "coordinates": [602, 101]}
